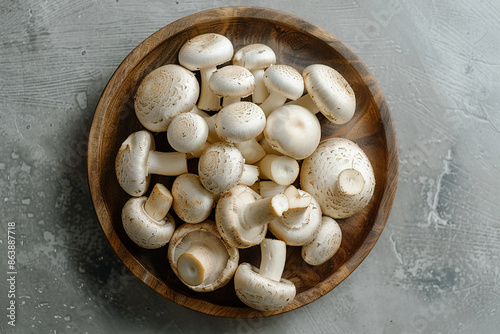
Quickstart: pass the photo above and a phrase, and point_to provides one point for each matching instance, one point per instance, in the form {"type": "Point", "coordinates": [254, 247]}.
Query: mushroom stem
{"type": "Point", "coordinates": [350, 182]}
{"type": "Point", "coordinates": [279, 168]}
{"type": "Point", "coordinates": [227, 100]}
{"type": "Point", "coordinates": [273, 101]}
{"type": "Point", "coordinates": [273, 257]}
{"type": "Point", "coordinates": [263, 211]}
{"type": "Point", "coordinates": [306, 102]}
{"type": "Point", "coordinates": [212, 135]}
{"type": "Point", "coordinates": [251, 150]}
{"type": "Point", "coordinates": [196, 264]}
{"type": "Point", "coordinates": [267, 147]}
{"type": "Point", "coordinates": [270, 188]}
{"type": "Point", "coordinates": [260, 92]}
{"type": "Point", "coordinates": [250, 175]}
{"type": "Point", "coordinates": [295, 199]}
{"type": "Point", "coordinates": [208, 99]}
{"type": "Point", "coordinates": [167, 163]}
{"type": "Point", "coordinates": [158, 203]}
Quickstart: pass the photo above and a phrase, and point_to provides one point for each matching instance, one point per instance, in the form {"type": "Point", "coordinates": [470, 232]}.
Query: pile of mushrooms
{"type": "Point", "coordinates": [264, 176]}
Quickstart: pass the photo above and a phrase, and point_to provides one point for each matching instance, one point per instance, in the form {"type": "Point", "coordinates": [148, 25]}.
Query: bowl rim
{"type": "Point", "coordinates": [237, 12]}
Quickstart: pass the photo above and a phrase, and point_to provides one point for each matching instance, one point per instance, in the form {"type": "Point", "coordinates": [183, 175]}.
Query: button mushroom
{"type": "Point", "coordinates": [328, 93]}
{"type": "Point", "coordinates": [163, 94]}
{"type": "Point", "coordinates": [192, 202]}
{"type": "Point", "coordinates": [232, 83]}
{"type": "Point", "coordinates": [242, 215]}
{"type": "Point", "coordinates": [188, 133]}
{"type": "Point", "coordinates": [340, 176]}
{"type": "Point", "coordinates": [137, 159]}
{"type": "Point", "coordinates": [204, 53]}
{"type": "Point", "coordinates": [146, 219]}
{"type": "Point", "coordinates": [256, 57]}
{"type": "Point", "coordinates": [240, 123]}
{"type": "Point", "coordinates": [279, 168]}
{"type": "Point", "coordinates": [325, 244]}
{"type": "Point", "coordinates": [201, 259]}
{"type": "Point", "coordinates": [293, 131]}
{"type": "Point", "coordinates": [263, 288]}
{"type": "Point", "coordinates": [284, 82]}
{"type": "Point", "coordinates": [298, 225]}
{"type": "Point", "coordinates": [221, 167]}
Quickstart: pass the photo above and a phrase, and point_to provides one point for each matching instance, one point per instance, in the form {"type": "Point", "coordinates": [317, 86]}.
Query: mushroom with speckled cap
{"type": "Point", "coordinates": [256, 57]}
{"type": "Point", "coordinates": [325, 244]}
{"type": "Point", "coordinates": [328, 93]}
{"type": "Point", "coordinates": [188, 133]}
{"type": "Point", "coordinates": [146, 219]}
{"type": "Point", "coordinates": [192, 202]}
{"type": "Point", "coordinates": [137, 159]}
{"type": "Point", "coordinates": [340, 176]}
{"type": "Point", "coordinates": [201, 259]}
{"type": "Point", "coordinates": [232, 83]}
{"type": "Point", "coordinates": [204, 53]}
{"type": "Point", "coordinates": [221, 167]}
{"type": "Point", "coordinates": [263, 288]}
{"type": "Point", "coordinates": [283, 82]}
{"type": "Point", "coordinates": [240, 123]}
{"type": "Point", "coordinates": [163, 94]}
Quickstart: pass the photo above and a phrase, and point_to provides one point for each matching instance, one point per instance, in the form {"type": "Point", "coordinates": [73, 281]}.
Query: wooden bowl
{"type": "Point", "coordinates": [297, 43]}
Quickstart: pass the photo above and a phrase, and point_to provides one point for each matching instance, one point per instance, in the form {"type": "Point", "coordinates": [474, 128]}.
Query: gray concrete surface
{"type": "Point", "coordinates": [436, 267]}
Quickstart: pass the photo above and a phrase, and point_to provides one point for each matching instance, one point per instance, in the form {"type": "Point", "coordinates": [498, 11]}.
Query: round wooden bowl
{"type": "Point", "coordinates": [297, 43]}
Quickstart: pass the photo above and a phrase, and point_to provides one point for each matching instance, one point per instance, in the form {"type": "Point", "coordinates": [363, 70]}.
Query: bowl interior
{"type": "Point", "coordinates": [296, 43]}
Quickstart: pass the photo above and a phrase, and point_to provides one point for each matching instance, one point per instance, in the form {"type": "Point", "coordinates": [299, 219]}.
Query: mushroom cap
{"type": "Point", "coordinates": [131, 163]}
{"type": "Point", "coordinates": [325, 244]}
{"type": "Point", "coordinates": [331, 93]}
{"type": "Point", "coordinates": [163, 94]}
{"type": "Point", "coordinates": [320, 173]}
{"type": "Point", "coordinates": [299, 226]}
{"type": "Point", "coordinates": [205, 50]}
{"type": "Point", "coordinates": [187, 132]}
{"type": "Point", "coordinates": [293, 130]}
{"type": "Point", "coordinates": [254, 56]}
{"type": "Point", "coordinates": [220, 167]}
{"type": "Point", "coordinates": [142, 229]}
{"type": "Point", "coordinates": [240, 121]}
{"type": "Point", "coordinates": [205, 233]}
{"type": "Point", "coordinates": [232, 81]}
{"type": "Point", "coordinates": [227, 217]}
{"type": "Point", "coordinates": [262, 293]}
{"type": "Point", "coordinates": [284, 79]}
{"type": "Point", "coordinates": [192, 202]}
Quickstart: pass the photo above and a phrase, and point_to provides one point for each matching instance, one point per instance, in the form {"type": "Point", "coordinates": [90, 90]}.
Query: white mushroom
{"type": "Point", "coordinates": [328, 93]}
{"type": "Point", "coordinates": [340, 176]}
{"type": "Point", "coordinates": [263, 288]}
{"type": "Point", "coordinates": [146, 219]}
{"type": "Point", "coordinates": [240, 123]}
{"type": "Point", "coordinates": [279, 168]}
{"type": "Point", "coordinates": [192, 202]}
{"type": "Point", "coordinates": [256, 57]}
{"type": "Point", "coordinates": [163, 94]}
{"type": "Point", "coordinates": [242, 215]}
{"type": "Point", "coordinates": [137, 159]}
{"type": "Point", "coordinates": [232, 83]}
{"type": "Point", "coordinates": [201, 259]}
{"type": "Point", "coordinates": [283, 82]}
{"type": "Point", "coordinates": [204, 53]}
{"type": "Point", "coordinates": [293, 131]}
{"type": "Point", "coordinates": [221, 167]}
{"type": "Point", "coordinates": [326, 243]}
{"type": "Point", "coordinates": [298, 226]}
{"type": "Point", "coordinates": [188, 133]}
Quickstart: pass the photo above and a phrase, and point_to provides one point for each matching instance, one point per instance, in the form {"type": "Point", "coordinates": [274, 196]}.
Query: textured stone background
{"type": "Point", "coordinates": [436, 266]}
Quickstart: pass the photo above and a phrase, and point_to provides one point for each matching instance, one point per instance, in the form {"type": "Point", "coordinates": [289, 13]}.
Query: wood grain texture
{"type": "Point", "coordinates": [297, 43]}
